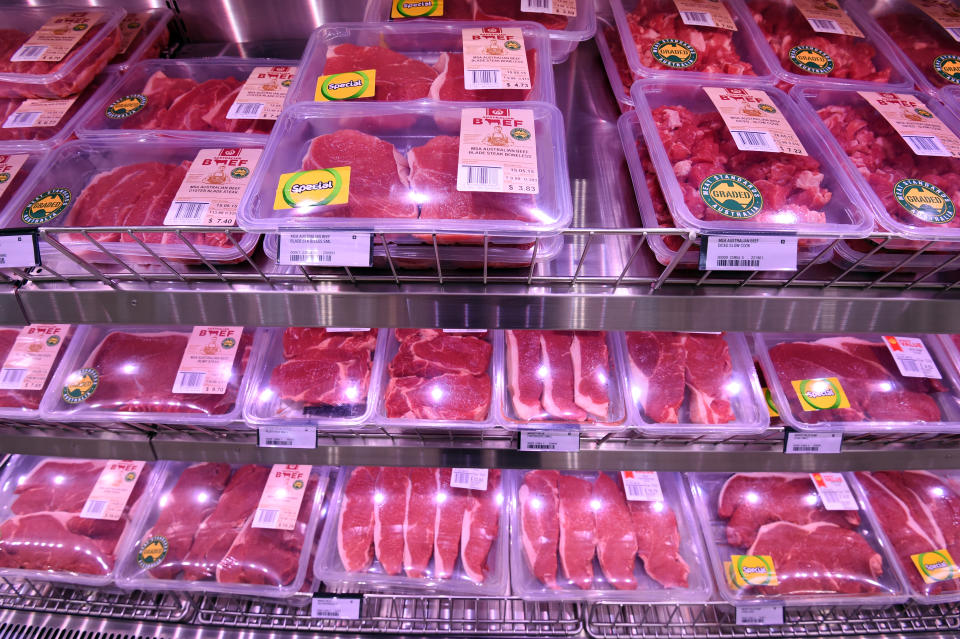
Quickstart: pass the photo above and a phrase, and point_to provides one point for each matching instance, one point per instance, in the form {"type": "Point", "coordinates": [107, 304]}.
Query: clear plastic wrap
{"type": "Point", "coordinates": [615, 64]}
{"type": "Point", "coordinates": [24, 403]}
{"type": "Point", "coordinates": [145, 35]}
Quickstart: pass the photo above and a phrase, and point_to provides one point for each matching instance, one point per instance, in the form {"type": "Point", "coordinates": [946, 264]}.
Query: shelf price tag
{"type": "Point", "coordinates": [287, 437]}
{"type": "Point", "coordinates": [326, 606]}
{"type": "Point", "coordinates": [469, 478]}
{"type": "Point", "coordinates": [641, 485]}
{"type": "Point", "coordinates": [339, 248]}
{"type": "Point", "coordinates": [749, 253]}
{"type": "Point", "coordinates": [566, 441]}
{"type": "Point", "coordinates": [760, 615]}
{"type": "Point", "coordinates": [816, 443]}
{"type": "Point", "coordinates": [19, 248]}
{"type": "Point", "coordinates": [834, 492]}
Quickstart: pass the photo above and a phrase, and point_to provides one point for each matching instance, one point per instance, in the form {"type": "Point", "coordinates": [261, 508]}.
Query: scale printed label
{"type": "Point", "coordinates": [130, 27]}
{"type": "Point", "coordinates": [759, 615]}
{"type": "Point", "coordinates": [38, 113]}
{"type": "Point", "coordinates": [495, 58]}
{"type": "Point", "coordinates": [109, 496]}
{"type": "Point", "coordinates": [29, 361]}
{"type": "Point", "coordinates": [749, 253]}
{"type": "Point", "coordinates": [550, 440]}
{"type": "Point", "coordinates": [834, 492]}
{"type": "Point", "coordinates": [338, 248]}
{"type": "Point", "coordinates": [705, 13]}
{"type": "Point", "coordinates": [641, 485]}
{"type": "Point", "coordinates": [281, 497]}
{"type": "Point", "coordinates": [912, 357]}
{"type": "Point", "coordinates": [498, 151]}
{"type": "Point", "coordinates": [827, 17]}
{"type": "Point", "coordinates": [261, 96]}
{"type": "Point", "coordinates": [287, 436]}
{"type": "Point", "coordinates": [212, 188]}
{"type": "Point", "coordinates": [944, 13]}
{"type": "Point", "coordinates": [207, 363]}
{"type": "Point", "coordinates": [19, 249]}
{"type": "Point", "coordinates": [807, 443]}
{"type": "Point", "coordinates": [54, 40]}
{"type": "Point", "coordinates": [753, 120]}
{"type": "Point", "coordinates": [338, 607]}
{"type": "Point", "coordinates": [920, 128]}
{"type": "Point", "coordinates": [470, 478]}
{"type": "Point", "coordinates": [935, 566]}
{"type": "Point", "coordinates": [557, 7]}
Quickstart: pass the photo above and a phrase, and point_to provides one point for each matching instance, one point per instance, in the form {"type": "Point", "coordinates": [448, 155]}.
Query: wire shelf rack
{"type": "Point", "coordinates": [92, 602]}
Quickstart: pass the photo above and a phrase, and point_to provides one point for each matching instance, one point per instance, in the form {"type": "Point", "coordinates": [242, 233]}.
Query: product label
{"type": "Point", "coordinates": [824, 393]}
{"type": "Point", "coordinates": [811, 59]}
{"type": "Point", "coordinates": [470, 478]}
{"type": "Point", "coordinates": [32, 356]}
{"type": "Point", "coordinates": [38, 113]}
{"type": "Point", "coordinates": [753, 121]}
{"type": "Point", "coordinates": [316, 187]}
{"type": "Point", "coordinates": [261, 96]}
{"type": "Point", "coordinates": [287, 436]}
{"type": "Point", "coordinates": [751, 570]}
{"type": "Point", "coordinates": [337, 248]}
{"type": "Point", "coordinates": [281, 498]}
{"type": "Point", "coordinates": [771, 407]}
{"type": "Point", "coordinates": [131, 25]}
{"type": "Point", "coordinates": [46, 206]}
{"type": "Point", "coordinates": [348, 85]}
{"type": "Point", "coordinates": [126, 106]}
{"type": "Point", "coordinates": [731, 196]}
{"type": "Point", "coordinates": [336, 607]}
{"type": "Point", "coordinates": [495, 58]}
{"type": "Point", "coordinates": [825, 16]}
{"type": "Point", "coordinates": [912, 357]}
{"type": "Point", "coordinates": [944, 13]}
{"type": "Point", "coordinates": [925, 201]}
{"type": "Point", "coordinates": [550, 440]}
{"type": "Point", "coordinates": [812, 443]}
{"type": "Point", "coordinates": [920, 128]}
{"type": "Point", "coordinates": [80, 385]}
{"type": "Point", "coordinates": [749, 252]}
{"type": "Point", "coordinates": [834, 492]}
{"type": "Point", "coordinates": [674, 53]}
{"type": "Point", "coordinates": [498, 151]}
{"type": "Point", "coordinates": [10, 165]}
{"type": "Point", "coordinates": [557, 7]}
{"type": "Point", "coordinates": [759, 615]}
{"type": "Point", "coordinates": [109, 496]}
{"type": "Point", "coordinates": [705, 13]}
{"type": "Point", "coordinates": [54, 40]}
{"type": "Point", "coordinates": [207, 363]}
{"type": "Point", "coordinates": [416, 8]}
{"type": "Point", "coordinates": [153, 551]}
{"type": "Point", "coordinates": [948, 67]}
{"type": "Point", "coordinates": [211, 190]}
{"type": "Point", "coordinates": [641, 485]}
{"type": "Point", "coordinates": [935, 566]}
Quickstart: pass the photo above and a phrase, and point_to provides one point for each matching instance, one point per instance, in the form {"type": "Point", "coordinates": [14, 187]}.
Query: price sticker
{"type": "Point", "coordinates": [109, 496]}
{"type": "Point", "coordinates": [338, 248]}
{"type": "Point", "coordinates": [834, 492]}
{"type": "Point", "coordinates": [749, 253]}
{"type": "Point", "coordinates": [912, 357]}
{"type": "Point", "coordinates": [760, 616]}
{"type": "Point", "coordinates": [287, 437]}
{"type": "Point", "coordinates": [815, 443]}
{"type": "Point", "coordinates": [324, 606]}
{"type": "Point", "coordinates": [469, 478]}
{"type": "Point", "coordinates": [641, 485]}
{"type": "Point", "coordinates": [550, 440]}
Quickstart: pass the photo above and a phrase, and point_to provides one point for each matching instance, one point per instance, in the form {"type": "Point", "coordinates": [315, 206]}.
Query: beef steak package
{"type": "Point", "coordinates": [70, 520]}
{"type": "Point", "coordinates": [144, 36]}
{"type": "Point", "coordinates": [159, 374]}
{"type": "Point", "coordinates": [418, 529]}
{"type": "Point", "coordinates": [139, 181]}
{"type": "Point", "coordinates": [419, 60]}
{"type": "Point", "coordinates": [28, 357]}
{"type": "Point", "coordinates": [55, 51]}
{"type": "Point", "coordinates": [918, 514]}
{"type": "Point", "coordinates": [615, 63]}
{"type": "Point", "coordinates": [704, 41]}
{"type": "Point", "coordinates": [568, 23]}
{"type": "Point", "coordinates": [214, 527]}
{"type": "Point", "coordinates": [591, 536]}
{"type": "Point", "coordinates": [318, 376]}
{"type": "Point", "coordinates": [861, 383]}
{"type": "Point", "coordinates": [439, 378]}
{"type": "Point", "coordinates": [693, 384]}
{"type": "Point", "coordinates": [16, 165]}
{"type": "Point", "coordinates": [794, 539]}
{"type": "Point", "coordinates": [562, 377]}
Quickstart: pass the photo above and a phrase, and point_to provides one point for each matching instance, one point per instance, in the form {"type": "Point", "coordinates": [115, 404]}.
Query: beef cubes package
{"type": "Point", "coordinates": [418, 167]}
{"type": "Point", "coordinates": [568, 22]}
{"type": "Point", "coordinates": [606, 536]}
{"type": "Point", "coordinates": [144, 36]}
{"type": "Point", "coordinates": [441, 530]}
{"type": "Point", "coordinates": [828, 45]}
{"type": "Point", "coordinates": [240, 529]}
{"type": "Point", "coordinates": [861, 383]}
{"type": "Point", "coordinates": [132, 181]}
{"type": "Point", "coordinates": [319, 376]}
{"type": "Point", "coordinates": [703, 41]}
{"type": "Point", "coordinates": [693, 384]}
{"type": "Point", "coordinates": [918, 515]}
{"type": "Point", "coordinates": [70, 520]}
{"type": "Point", "coordinates": [55, 51]}
{"type": "Point", "coordinates": [793, 539]}
{"type": "Point", "coordinates": [158, 374]}
{"type": "Point", "coordinates": [28, 357]}
{"type": "Point", "coordinates": [194, 98]}
{"type": "Point", "coordinates": [554, 378]}
{"type": "Point", "coordinates": [448, 61]}
{"type": "Point", "coordinates": [439, 378]}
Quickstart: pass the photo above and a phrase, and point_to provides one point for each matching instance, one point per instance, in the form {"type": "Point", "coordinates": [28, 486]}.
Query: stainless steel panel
{"type": "Point", "coordinates": [11, 313]}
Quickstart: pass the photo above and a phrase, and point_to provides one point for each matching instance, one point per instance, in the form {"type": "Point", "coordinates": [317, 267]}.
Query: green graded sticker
{"type": "Point", "coordinates": [53, 340]}
{"type": "Point", "coordinates": [80, 385]}
{"type": "Point", "coordinates": [948, 67]}
{"type": "Point", "coordinates": [674, 53]}
{"type": "Point", "coordinates": [240, 172]}
{"type": "Point", "coordinates": [348, 85]}
{"type": "Point", "coordinates": [126, 106]}
{"type": "Point", "coordinates": [46, 206]}
{"type": "Point", "coordinates": [152, 551]}
{"type": "Point", "coordinates": [4, 177]}
{"type": "Point", "coordinates": [811, 59]}
{"type": "Point", "coordinates": [520, 134]}
{"type": "Point", "coordinates": [317, 187]}
{"type": "Point", "coordinates": [925, 201]}
{"type": "Point", "coordinates": [731, 196]}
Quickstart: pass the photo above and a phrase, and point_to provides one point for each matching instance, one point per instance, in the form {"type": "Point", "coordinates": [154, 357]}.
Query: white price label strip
{"type": "Point", "coordinates": [339, 607]}
{"type": "Point", "coordinates": [287, 437]}
{"type": "Point", "coordinates": [469, 478]}
{"type": "Point", "coordinates": [912, 357]}
{"type": "Point", "coordinates": [20, 250]}
{"type": "Point", "coordinates": [806, 443]}
{"type": "Point", "coordinates": [749, 253]}
{"type": "Point", "coordinates": [550, 440]}
{"type": "Point", "coordinates": [834, 491]}
{"type": "Point", "coordinates": [341, 248]}
{"type": "Point", "coordinates": [760, 616]}
{"type": "Point", "coordinates": [641, 485]}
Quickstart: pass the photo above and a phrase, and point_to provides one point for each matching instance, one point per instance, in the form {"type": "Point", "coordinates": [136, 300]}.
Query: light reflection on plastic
{"type": "Point", "coordinates": [542, 372]}
{"type": "Point", "coordinates": [419, 198]}
{"type": "Point", "coordinates": [129, 369]}
{"type": "Point", "coordinates": [536, 504]}
{"type": "Point", "coordinates": [266, 395]}
{"type": "Point", "coordinates": [59, 479]}
{"type": "Point", "coordinates": [164, 500]}
{"type": "Point", "coordinates": [352, 392]}
{"type": "Point", "coordinates": [436, 393]}
{"type": "Point", "coordinates": [203, 498]}
{"type": "Point", "coordinates": [734, 387]}
{"type": "Point", "coordinates": [937, 491]}
{"type": "Point", "coordinates": [378, 498]}
{"type": "Point", "coordinates": [595, 504]}
{"type": "Point", "coordinates": [499, 499]}
{"type": "Point", "coordinates": [811, 499]}
{"type": "Point", "coordinates": [886, 387]}
{"type": "Point", "coordinates": [441, 497]}
{"type": "Point", "coordinates": [658, 506]}
{"type": "Point", "coordinates": [753, 498]}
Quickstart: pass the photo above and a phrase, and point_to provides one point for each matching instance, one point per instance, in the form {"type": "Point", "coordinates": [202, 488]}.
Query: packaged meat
{"type": "Point", "coordinates": [69, 520]}
{"type": "Point", "coordinates": [418, 529]}
{"type": "Point", "coordinates": [136, 181]}
{"type": "Point", "coordinates": [909, 176]}
{"type": "Point", "coordinates": [660, 42]}
{"type": "Point", "coordinates": [162, 374]}
{"type": "Point", "coordinates": [37, 61]}
{"type": "Point", "coordinates": [319, 376]}
{"type": "Point", "coordinates": [422, 60]}
{"type": "Point", "coordinates": [693, 384]}
{"type": "Point", "coordinates": [239, 529]}
{"type": "Point", "coordinates": [582, 538]}
{"type": "Point", "coordinates": [16, 165]}
{"type": "Point", "coordinates": [576, 23]}
{"type": "Point", "coordinates": [711, 184]}
{"type": "Point", "coordinates": [918, 515]}
{"type": "Point", "coordinates": [28, 357]}
{"type": "Point", "coordinates": [771, 539]}
{"type": "Point", "coordinates": [185, 98]}
{"type": "Point", "coordinates": [800, 54]}
{"type": "Point", "coordinates": [438, 378]}
{"type": "Point", "coordinates": [562, 377]}
{"type": "Point", "coordinates": [144, 36]}
{"type": "Point", "coordinates": [615, 64]}
{"type": "Point", "coordinates": [410, 179]}
{"type": "Point", "coordinates": [861, 383]}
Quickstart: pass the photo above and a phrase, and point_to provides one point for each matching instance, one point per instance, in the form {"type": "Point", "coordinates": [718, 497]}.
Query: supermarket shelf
{"type": "Point", "coordinates": [44, 597]}
{"type": "Point", "coordinates": [10, 310]}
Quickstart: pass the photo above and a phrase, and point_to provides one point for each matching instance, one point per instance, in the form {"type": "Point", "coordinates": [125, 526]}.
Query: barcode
{"type": "Point", "coordinates": [536, 5]}
{"type": "Point", "coordinates": [799, 448]}
{"type": "Point", "coordinates": [307, 256]}
{"type": "Point", "coordinates": [266, 516]}
{"type": "Point", "coordinates": [754, 141]}
{"type": "Point", "coordinates": [697, 18]}
{"type": "Point", "coordinates": [748, 262]}
{"type": "Point", "coordinates": [12, 377]}
{"type": "Point", "coordinates": [94, 507]}
{"type": "Point", "coordinates": [460, 477]}
{"type": "Point", "coordinates": [326, 614]}
{"type": "Point", "coordinates": [955, 32]}
{"type": "Point", "coordinates": [278, 442]}
{"type": "Point", "coordinates": [642, 493]}
{"type": "Point", "coordinates": [485, 79]}
{"type": "Point", "coordinates": [925, 145]}
{"type": "Point", "coordinates": [909, 365]}
{"type": "Point", "coordinates": [483, 175]}
{"type": "Point", "coordinates": [747, 619]}
{"type": "Point", "coordinates": [825, 26]}
{"type": "Point", "coordinates": [189, 211]}
{"type": "Point", "coordinates": [28, 53]}
{"type": "Point", "coordinates": [188, 382]}
{"type": "Point", "coordinates": [541, 446]}
{"type": "Point", "coordinates": [240, 110]}
{"type": "Point", "coordinates": [21, 119]}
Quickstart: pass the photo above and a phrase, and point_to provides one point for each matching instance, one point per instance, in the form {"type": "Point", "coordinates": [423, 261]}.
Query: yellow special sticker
{"type": "Point", "coordinates": [771, 407]}
{"type": "Point", "coordinates": [317, 187]}
{"type": "Point", "coordinates": [935, 565]}
{"type": "Point", "coordinates": [416, 8]}
{"type": "Point", "coordinates": [824, 393]}
{"type": "Point", "coordinates": [348, 85]}
{"type": "Point", "coordinates": [751, 570]}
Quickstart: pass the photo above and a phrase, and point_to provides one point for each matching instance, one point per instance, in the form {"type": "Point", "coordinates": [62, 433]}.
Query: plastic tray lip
{"type": "Point", "coordinates": [624, 101]}
{"type": "Point", "coordinates": [845, 255]}
{"type": "Point", "coordinates": [743, 367]}
{"type": "Point", "coordinates": [762, 342]}
{"type": "Point", "coordinates": [271, 353]}
{"type": "Point", "coordinates": [858, 227]}
{"type": "Point", "coordinates": [300, 91]}
{"type": "Point", "coordinates": [51, 408]}
{"type": "Point", "coordinates": [18, 463]}
{"type": "Point", "coordinates": [110, 21]}
{"type": "Point", "coordinates": [692, 550]}
{"type": "Point", "coordinates": [327, 562]}
{"type": "Point", "coordinates": [165, 16]}
{"type": "Point", "coordinates": [251, 218]}
{"type": "Point", "coordinates": [126, 579]}
{"type": "Point", "coordinates": [703, 510]}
